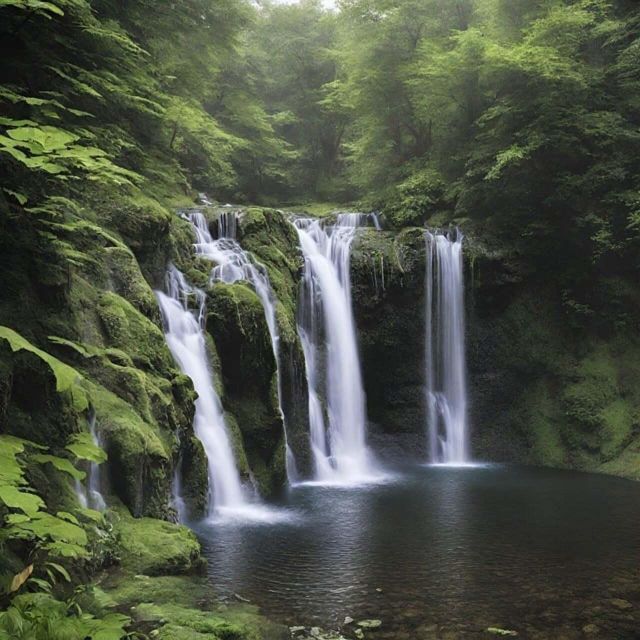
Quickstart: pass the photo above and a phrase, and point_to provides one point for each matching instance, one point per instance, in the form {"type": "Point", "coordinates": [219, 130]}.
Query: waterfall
{"type": "Point", "coordinates": [325, 311]}
{"type": "Point", "coordinates": [232, 264]}
{"type": "Point", "coordinates": [185, 338]}
{"type": "Point", "coordinates": [446, 383]}
{"type": "Point", "coordinates": [177, 501]}
{"type": "Point", "coordinates": [91, 495]}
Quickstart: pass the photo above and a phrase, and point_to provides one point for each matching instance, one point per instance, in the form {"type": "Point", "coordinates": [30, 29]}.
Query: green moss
{"type": "Point", "coordinates": [37, 404]}
{"type": "Point", "coordinates": [123, 588]}
{"type": "Point", "coordinates": [127, 329]}
{"type": "Point", "coordinates": [595, 387]}
{"type": "Point", "coordinates": [154, 547]}
{"type": "Point", "coordinates": [139, 458]}
{"type": "Point", "coordinates": [180, 607]}
{"type": "Point", "coordinates": [194, 474]}
{"type": "Point", "coordinates": [544, 421]}
{"type": "Point", "coordinates": [237, 443]}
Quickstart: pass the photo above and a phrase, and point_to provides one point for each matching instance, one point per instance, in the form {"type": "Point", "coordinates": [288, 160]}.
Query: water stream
{"type": "Point", "coordinates": [185, 337]}
{"type": "Point", "coordinates": [233, 263]}
{"type": "Point", "coordinates": [91, 496]}
{"type": "Point", "coordinates": [327, 332]}
{"type": "Point", "coordinates": [446, 384]}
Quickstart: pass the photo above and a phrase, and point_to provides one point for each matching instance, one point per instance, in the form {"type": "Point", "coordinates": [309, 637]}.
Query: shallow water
{"type": "Point", "coordinates": [437, 552]}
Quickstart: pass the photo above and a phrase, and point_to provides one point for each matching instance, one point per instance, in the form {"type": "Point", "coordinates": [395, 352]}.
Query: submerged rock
{"type": "Point", "coordinates": [502, 632]}
{"type": "Point", "coordinates": [370, 624]}
{"type": "Point", "coordinates": [314, 633]}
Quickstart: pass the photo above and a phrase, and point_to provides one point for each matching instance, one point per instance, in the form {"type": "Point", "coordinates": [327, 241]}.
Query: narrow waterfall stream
{"type": "Point", "coordinates": [233, 263]}
{"type": "Point", "coordinates": [91, 494]}
{"type": "Point", "coordinates": [339, 451]}
{"type": "Point", "coordinates": [185, 337]}
{"type": "Point", "coordinates": [446, 382]}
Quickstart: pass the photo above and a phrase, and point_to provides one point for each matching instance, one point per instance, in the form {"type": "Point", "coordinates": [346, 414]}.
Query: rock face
{"type": "Point", "coordinates": [541, 389]}
{"type": "Point", "coordinates": [96, 312]}
{"type": "Point", "coordinates": [388, 293]}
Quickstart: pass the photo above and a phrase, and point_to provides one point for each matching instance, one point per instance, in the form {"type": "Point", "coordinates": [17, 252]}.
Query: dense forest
{"type": "Point", "coordinates": [517, 121]}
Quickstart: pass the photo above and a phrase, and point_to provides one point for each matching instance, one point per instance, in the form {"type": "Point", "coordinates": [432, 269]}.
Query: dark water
{"type": "Point", "coordinates": [446, 553]}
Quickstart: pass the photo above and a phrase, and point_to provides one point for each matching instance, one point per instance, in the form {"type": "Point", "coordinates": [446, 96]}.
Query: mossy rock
{"type": "Point", "coordinates": [139, 458]}
{"type": "Point", "coordinates": [194, 475]}
{"type": "Point", "coordinates": [127, 329]}
{"type": "Point", "coordinates": [43, 398]}
{"type": "Point", "coordinates": [154, 547]}
{"type": "Point", "coordinates": [180, 608]}
{"type": "Point", "coordinates": [387, 274]}
{"type": "Point", "coordinates": [239, 329]}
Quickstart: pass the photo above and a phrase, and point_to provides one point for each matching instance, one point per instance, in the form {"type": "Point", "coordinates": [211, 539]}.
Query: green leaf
{"type": "Point", "coordinates": [63, 515]}
{"type": "Point", "coordinates": [43, 584]}
{"type": "Point", "coordinates": [67, 378]}
{"type": "Point", "coordinates": [14, 498]}
{"type": "Point", "coordinates": [60, 569]}
{"type": "Point", "coordinates": [84, 448]}
{"type": "Point", "coordinates": [61, 464]}
{"type": "Point", "coordinates": [20, 197]}
{"type": "Point", "coordinates": [91, 514]}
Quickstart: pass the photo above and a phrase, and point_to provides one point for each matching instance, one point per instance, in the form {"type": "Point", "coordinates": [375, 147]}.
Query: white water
{"type": "Point", "coordinates": [91, 495]}
{"type": "Point", "coordinates": [178, 502]}
{"type": "Point", "coordinates": [232, 264]}
{"type": "Point", "coordinates": [339, 450]}
{"type": "Point", "coordinates": [446, 381]}
{"type": "Point", "coordinates": [185, 338]}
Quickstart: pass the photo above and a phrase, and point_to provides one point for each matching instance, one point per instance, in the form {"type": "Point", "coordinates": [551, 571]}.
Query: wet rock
{"type": "Point", "coordinates": [314, 633]}
{"type": "Point", "coordinates": [359, 633]}
{"type": "Point", "coordinates": [347, 620]}
{"type": "Point", "coordinates": [591, 629]}
{"type": "Point", "coordinates": [497, 631]}
{"type": "Point", "coordinates": [370, 624]}
{"type": "Point", "coordinates": [621, 604]}
{"type": "Point", "coordinates": [240, 598]}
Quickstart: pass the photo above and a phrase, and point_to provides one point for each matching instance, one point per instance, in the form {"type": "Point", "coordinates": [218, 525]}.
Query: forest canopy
{"type": "Point", "coordinates": [521, 115]}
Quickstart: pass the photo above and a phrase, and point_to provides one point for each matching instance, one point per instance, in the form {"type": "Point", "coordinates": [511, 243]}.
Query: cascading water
{"type": "Point", "coordinates": [445, 350]}
{"type": "Point", "coordinates": [232, 264]}
{"type": "Point", "coordinates": [91, 495]}
{"type": "Point", "coordinates": [185, 337]}
{"type": "Point", "coordinates": [339, 451]}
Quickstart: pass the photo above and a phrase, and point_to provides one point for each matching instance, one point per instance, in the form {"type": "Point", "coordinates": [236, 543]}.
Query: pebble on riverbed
{"type": "Point", "coordinates": [621, 604]}
{"type": "Point", "coordinates": [314, 633]}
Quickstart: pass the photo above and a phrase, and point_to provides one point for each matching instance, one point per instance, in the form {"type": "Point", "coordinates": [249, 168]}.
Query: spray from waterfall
{"type": "Point", "coordinates": [232, 264]}
{"type": "Point", "coordinates": [446, 384]}
{"type": "Point", "coordinates": [186, 341]}
{"type": "Point", "coordinates": [325, 317]}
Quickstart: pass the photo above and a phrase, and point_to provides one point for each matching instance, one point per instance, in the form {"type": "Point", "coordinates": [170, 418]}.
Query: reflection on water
{"type": "Point", "coordinates": [544, 552]}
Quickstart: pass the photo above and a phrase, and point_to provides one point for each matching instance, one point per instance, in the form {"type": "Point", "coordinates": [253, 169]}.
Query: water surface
{"type": "Point", "coordinates": [441, 552]}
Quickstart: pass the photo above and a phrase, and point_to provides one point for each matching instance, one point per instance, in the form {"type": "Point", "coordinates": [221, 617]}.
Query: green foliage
{"type": "Point", "coordinates": [83, 448]}
{"type": "Point", "coordinates": [416, 199]}
{"type": "Point", "coordinates": [67, 379]}
{"type": "Point", "coordinates": [26, 518]}
{"type": "Point", "coordinates": [39, 616]}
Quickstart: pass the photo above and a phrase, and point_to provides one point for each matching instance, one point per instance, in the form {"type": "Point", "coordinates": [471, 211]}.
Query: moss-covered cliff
{"type": "Point", "coordinates": [544, 388]}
